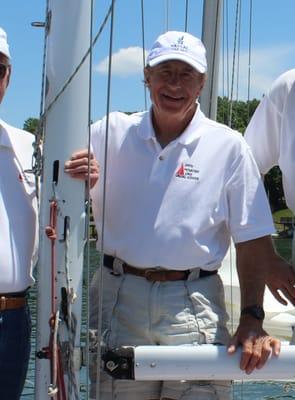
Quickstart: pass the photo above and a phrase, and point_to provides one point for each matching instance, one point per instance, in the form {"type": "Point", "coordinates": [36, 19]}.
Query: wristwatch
{"type": "Point", "coordinates": [255, 311]}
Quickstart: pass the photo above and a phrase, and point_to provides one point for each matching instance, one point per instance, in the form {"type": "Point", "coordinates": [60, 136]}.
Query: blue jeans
{"type": "Point", "coordinates": [15, 346]}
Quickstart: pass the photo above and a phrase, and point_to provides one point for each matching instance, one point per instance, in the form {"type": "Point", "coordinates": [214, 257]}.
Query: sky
{"type": "Point", "coordinates": [272, 49]}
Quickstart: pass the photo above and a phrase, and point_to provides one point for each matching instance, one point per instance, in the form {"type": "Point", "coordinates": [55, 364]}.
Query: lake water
{"type": "Point", "coordinates": [241, 390]}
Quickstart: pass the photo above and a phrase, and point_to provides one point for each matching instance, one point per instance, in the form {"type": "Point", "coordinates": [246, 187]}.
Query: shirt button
{"type": "Point", "coordinates": [161, 158]}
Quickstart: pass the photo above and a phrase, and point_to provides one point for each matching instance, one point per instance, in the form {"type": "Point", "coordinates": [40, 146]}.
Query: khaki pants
{"type": "Point", "coordinates": [140, 312]}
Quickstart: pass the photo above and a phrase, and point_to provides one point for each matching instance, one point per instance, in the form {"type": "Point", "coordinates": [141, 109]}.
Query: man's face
{"type": "Point", "coordinates": [174, 87]}
{"type": "Point", "coordinates": [5, 70]}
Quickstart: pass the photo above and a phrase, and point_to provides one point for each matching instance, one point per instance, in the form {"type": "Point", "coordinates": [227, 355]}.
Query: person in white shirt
{"type": "Point", "coordinates": [178, 186]}
{"type": "Point", "coordinates": [271, 136]}
{"type": "Point", "coordinates": [18, 244]}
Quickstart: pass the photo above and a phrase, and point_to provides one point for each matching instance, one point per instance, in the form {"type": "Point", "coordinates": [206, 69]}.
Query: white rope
{"type": "Point", "coordinates": [52, 388]}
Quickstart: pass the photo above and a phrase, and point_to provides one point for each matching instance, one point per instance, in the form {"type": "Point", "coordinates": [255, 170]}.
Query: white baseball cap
{"type": "Point", "coordinates": [4, 47]}
{"type": "Point", "coordinates": [181, 46]}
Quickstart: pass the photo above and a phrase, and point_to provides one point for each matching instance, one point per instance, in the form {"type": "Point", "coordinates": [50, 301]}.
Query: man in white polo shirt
{"type": "Point", "coordinates": [178, 186]}
{"type": "Point", "coordinates": [18, 244]}
{"type": "Point", "coordinates": [271, 136]}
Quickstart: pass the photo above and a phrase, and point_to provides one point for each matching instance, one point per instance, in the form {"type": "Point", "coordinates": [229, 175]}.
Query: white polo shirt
{"type": "Point", "coordinates": [271, 132]}
{"type": "Point", "coordinates": [177, 207]}
{"type": "Point", "coordinates": [18, 210]}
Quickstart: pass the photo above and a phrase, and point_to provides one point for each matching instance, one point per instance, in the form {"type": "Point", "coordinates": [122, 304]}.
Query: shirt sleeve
{"type": "Point", "coordinates": [263, 135]}
{"type": "Point", "coordinates": [287, 149]}
{"type": "Point", "coordinates": [249, 211]}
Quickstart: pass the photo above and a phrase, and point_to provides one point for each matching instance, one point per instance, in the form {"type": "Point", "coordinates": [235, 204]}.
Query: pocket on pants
{"type": "Point", "coordinates": [207, 299]}
{"type": "Point", "coordinates": [111, 288]}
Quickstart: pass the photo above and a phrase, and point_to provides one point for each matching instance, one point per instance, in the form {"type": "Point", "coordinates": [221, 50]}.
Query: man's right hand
{"type": "Point", "coordinates": [77, 167]}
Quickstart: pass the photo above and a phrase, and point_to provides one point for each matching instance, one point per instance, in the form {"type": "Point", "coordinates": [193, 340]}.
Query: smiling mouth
{"type": "Point", "coordinates": [173, 98]}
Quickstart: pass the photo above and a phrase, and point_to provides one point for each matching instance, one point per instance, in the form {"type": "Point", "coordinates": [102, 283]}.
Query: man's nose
{"type": "Point", "coordinates": [175, 79]}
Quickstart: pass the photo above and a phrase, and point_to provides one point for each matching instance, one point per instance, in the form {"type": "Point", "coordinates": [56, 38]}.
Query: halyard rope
{"type": "Point", "coordinates": [71, 323]}
{"type": "Point", "coordinates": [53, 349]}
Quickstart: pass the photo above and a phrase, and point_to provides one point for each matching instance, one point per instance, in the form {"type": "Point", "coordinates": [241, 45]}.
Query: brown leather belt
{"type": "Point", "coordinates": [10, 303]}
{"type": "Point", "coordinates": [155, 274]}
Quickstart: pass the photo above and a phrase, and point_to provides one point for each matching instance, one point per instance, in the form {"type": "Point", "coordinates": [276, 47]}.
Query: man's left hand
{"type": "Point", "coordinates": [257, 345]}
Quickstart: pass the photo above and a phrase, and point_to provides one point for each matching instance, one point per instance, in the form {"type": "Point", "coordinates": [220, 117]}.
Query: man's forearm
{"type": "Point", "coordinates": [253, 259]}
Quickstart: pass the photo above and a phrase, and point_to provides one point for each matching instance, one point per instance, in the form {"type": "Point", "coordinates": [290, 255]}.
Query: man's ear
{"type": "Point", "coordinates": [9, 74]}
{"type": "Point", "coordinates": [203, 81]}
{"type": "Point", "coordinates": [146, 76]}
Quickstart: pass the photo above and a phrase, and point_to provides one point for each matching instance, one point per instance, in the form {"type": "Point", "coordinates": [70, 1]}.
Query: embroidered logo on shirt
{"type": "Point", "coordinates": [187, 171]}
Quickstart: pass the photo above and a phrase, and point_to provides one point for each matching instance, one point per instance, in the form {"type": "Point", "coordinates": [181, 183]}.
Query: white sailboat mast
{"type": "Point", "coordinates": [212, 14]}
{"type": "Point", "coordinates": [62, 208]}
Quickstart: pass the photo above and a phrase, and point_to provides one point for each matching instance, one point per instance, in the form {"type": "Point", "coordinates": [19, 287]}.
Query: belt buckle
{"type": "Point", "coordinates": [3, 303]}
{"type": "Point", "coordinates": [148, 274]}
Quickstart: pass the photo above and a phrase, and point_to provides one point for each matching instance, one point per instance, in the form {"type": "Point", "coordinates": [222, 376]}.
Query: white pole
{"type": "Point", "coordinates": [212, 14]}
{"type": "Point", "coordinates": [66, 130]}
{"type": "Point", "coordinates": [206, 362]}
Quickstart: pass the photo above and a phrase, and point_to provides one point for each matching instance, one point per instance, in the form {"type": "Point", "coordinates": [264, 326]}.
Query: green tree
{"type": "Point", "coordinates": [274, 189]}
{"type": "Point", "coordinates": [241, 113]}
{"type": "Point", "coordinates": [31, 125]}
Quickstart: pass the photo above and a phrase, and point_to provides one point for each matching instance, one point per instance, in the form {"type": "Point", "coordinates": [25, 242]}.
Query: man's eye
{"type": "Point", "coordinates": [165, 73]}
{"type": "Point", "coordinates": [187, 75]}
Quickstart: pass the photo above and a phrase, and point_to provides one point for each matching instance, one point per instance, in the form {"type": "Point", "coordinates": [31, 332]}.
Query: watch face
{"type": "Point", "coordinates": [259, 312]}
{"type": "Point", "coordinates": [255, 311]}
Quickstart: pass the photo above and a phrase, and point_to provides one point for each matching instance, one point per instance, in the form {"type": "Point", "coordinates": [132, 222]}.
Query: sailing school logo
{"type": "Point", "coordinates": [179, 45]}
{"type": "Point", "coordinates": [187, 171]}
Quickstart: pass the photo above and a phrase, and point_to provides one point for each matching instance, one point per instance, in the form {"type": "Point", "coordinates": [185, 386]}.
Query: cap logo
{"type": "Point", "coordinates": [179, 45]}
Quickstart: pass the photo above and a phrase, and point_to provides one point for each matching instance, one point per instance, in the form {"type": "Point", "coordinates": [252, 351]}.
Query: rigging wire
{"type": "Point", "coordinates": [238, 52]}
{"type": "Point", "coordinates": [186, 15]}
{"type": "Point", "coordinates": [233, 65]}
{"type": "Point", "coordinates": [143, 49]}
{"type": "Point", "coordinates": [249, 58]}
{"type": "Point", "coordinates": [237, 39]}
{"type": "Point", "coordinates": [167, 15]}
{"type": "Point", "coordinates": [227, 60]}
{"type": "Point", "coordinates": [37, 156]}
{"type": "Point", "coordinates": [227, 48]}
{"type": "Point", "coordinates": [47, 24]}
{"type": "Point", "coordinates": [69, 80]}
{"type": "Point", "coordinates": [225, 63]}
{"type": "Point", "coordinates": [100, 288]}
{"type": "Point", "coordinates": [225, 89]}
{"type": "Point", "coordinates": [88, 201]}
